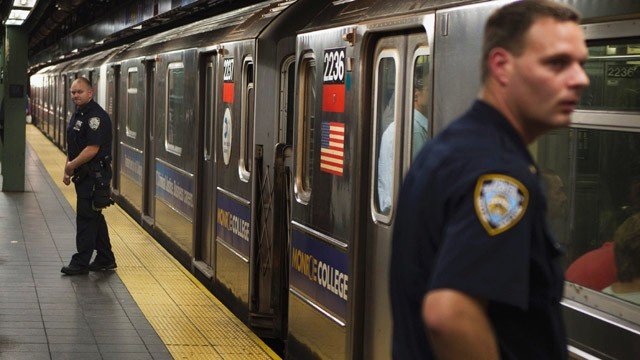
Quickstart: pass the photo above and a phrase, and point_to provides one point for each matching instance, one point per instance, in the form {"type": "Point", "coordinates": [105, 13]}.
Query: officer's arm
{"type": "Point", "coordinates": [85, 156]}
{"type": "Point", "coordinates": [458, 326]}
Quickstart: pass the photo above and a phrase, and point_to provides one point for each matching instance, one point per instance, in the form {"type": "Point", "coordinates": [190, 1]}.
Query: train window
{"type": "Point", "coordinates": [175, 118]}
{"type": "Point", "coordinates": [614, 71]}
{"type": "Point", "coordinates": [208, 110]}
{"type": "Point", "coordinates": [287, 91]}
{"type": "Point", "coordinates": [306, 120]}
{"type": "Point", "coordinates": [132, 103]}
{"type": "Point", "coordinates": [420, 101]}
{"type": "Point", "coordinates": [592, 179]}
{"type": "Point", "coordinates": [386, 131]}
{"type": "Point", "coordinates": [95, 80]}
{"type": "Point", "coordinates": [246, 122]}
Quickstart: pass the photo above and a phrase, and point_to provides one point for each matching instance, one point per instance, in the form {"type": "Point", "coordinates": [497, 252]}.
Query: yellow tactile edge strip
{"type": "Point", "coordinates": [188, 318]}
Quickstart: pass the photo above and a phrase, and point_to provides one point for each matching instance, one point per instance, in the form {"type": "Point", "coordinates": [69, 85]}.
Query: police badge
{"type": "Point", "coordinates": [94, 122]}
{"type": "Point", "coordinates": [500, 202]}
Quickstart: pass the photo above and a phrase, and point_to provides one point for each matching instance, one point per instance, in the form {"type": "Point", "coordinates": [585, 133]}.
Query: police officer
{"type": "Point", "coordinates": [474, 270]}
{"type": "Point", "coordinates": [88, 163]}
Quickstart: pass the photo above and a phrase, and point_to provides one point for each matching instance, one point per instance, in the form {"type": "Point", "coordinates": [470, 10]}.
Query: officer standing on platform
{"type": "Point", "coordinates": [89, 166]}
{"type": "Point", "coordinates": [474, 268]}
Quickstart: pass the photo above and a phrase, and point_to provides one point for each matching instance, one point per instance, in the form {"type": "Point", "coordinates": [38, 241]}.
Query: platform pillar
{"type": "Point", "coordinates": [14, 84]}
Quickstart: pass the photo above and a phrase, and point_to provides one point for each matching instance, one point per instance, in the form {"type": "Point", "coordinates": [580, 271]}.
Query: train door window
{"type": "Point", "coordinates": [95, 81]}
{"type": "Point", "coordinates": [70, 104]}
{"type": "Point", "coordinates": [132, 103]}
{"type": "Point", "coordinates": [386, 127]}
{"type": "Point", "coordinates": [419, 97]}
{"type": "Point", "coordinates": [175, 117]}
{"type": "Point", "coordinates": [614, 72]}
{"type": "Point", "coordinates": [305, 132]}
{"type": "Point", "coordinates": [208, 110]}
{"type": "Point", "coordinates": [46, 93]}
{"type": "Point", "coordinates": [246, 122]}
{"type": "Point", "coordinates": [287, 91]}
{"type": "Point", "coordinates": [591, 173]}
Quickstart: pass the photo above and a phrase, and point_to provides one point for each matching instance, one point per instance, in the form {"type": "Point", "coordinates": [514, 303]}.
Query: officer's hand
{"type": "Point", "coordinates": [66, 179]}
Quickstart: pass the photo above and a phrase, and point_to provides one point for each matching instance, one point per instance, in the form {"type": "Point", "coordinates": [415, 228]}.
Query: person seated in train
{"type": "Point", "coordinates": [419, 136]}
{"type": "Point", "coordinates": [627, 258]}
{"type": "Point", "coordinates": [595, 269]}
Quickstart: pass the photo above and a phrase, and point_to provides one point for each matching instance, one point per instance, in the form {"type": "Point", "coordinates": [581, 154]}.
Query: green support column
{"type": "Point", "coordinates": [15, 86]}
{"type": "Point", "coordinates": [1, 92]}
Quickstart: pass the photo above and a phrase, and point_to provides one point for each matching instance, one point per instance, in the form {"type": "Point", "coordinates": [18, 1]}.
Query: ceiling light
{"type": "Point", "coordinates": [18, 14]}
{"type": "Point", "coordinates": [24, 3]}
{"type": "Point", "coordinates": [13, 22]}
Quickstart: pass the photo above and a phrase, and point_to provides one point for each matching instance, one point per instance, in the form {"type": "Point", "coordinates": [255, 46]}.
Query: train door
{"type": "Point", "coordinates": [149, 153]}
{"type": "Point", "coordinates": [54, 109]}
{"type": "Point", "coordinates": [63, 94]}
{"type": "Point", "coordinates": [113, 75]}
{"type": "Point", "coordinates": [131, 134]}
{"type": "Point", "coordinates": [282, 197]}
{"type": "Point", "coordinates": [234, 179]}
{"type": "Point", "coordinates": [399, 111]}
{"type": "Point", "coordinates": [205, 249]}
{"type": "Point", "coordinates": [70, 109]}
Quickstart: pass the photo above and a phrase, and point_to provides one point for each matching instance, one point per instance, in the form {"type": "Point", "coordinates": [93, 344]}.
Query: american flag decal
{"type": "Point", "coordinates": [332, 148]}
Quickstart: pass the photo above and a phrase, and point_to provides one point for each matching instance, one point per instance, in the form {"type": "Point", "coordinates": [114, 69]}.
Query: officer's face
{"type": "Point", "coordinates": [546, 80]}
{"type": "Point", "coordinates": [81, 93]}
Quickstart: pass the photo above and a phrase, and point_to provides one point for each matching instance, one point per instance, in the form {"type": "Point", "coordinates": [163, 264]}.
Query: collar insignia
{"type": "Point", "coordinates": [500, 202]}
{"type": "Point", "coordinates": [94, 122]}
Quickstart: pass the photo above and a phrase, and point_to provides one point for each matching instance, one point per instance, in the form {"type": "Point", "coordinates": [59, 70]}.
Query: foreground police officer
{"type": "Point", "coordinates": [474, 271]}
{"type": "Point", "coordinates": [89, 166]}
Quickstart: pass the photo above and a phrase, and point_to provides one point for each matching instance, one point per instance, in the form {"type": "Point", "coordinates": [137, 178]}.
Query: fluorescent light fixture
{"type": "Point", "coordinates": [24, 3]}
{"type": "Point", "coordinates": [13, 22]}
{"type": "Point", "coordinates": [18, 14]}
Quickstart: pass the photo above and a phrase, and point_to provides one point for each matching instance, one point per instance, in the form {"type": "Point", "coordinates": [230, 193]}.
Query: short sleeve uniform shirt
{"type": "Point", "coordinates": [471, 217]}
{"type": "Point", "coordinates": [89, 125]}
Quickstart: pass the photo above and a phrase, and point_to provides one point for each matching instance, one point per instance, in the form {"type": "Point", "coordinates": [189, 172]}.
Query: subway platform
{"type": "Point", "coordinates": [149, 308]}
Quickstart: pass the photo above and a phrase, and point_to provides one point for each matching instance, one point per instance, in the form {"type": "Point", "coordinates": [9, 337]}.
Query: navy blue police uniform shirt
{"type": "Point", "coordinates": [89, 125]}
{"type": "Point", "coordinates": [471, 217]}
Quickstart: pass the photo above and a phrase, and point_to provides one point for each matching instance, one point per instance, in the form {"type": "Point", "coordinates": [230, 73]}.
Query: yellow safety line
{"type": "Point", "coordinates": [198, 325]}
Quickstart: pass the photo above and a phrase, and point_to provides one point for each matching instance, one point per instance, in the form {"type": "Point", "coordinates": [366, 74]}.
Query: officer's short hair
{"type": "Point", "coordinates": [626, 248]}
{"type": "Point", "coordinates": [507, 26]}
{"type": "Point", "coordinates": [85, 81]}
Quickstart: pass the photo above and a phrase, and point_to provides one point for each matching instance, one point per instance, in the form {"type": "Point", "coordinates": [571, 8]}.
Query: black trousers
{"type": "Point", "coordinates": [92, 233]}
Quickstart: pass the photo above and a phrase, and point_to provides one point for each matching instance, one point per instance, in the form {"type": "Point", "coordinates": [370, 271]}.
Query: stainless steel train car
{"type": "Point", "coordinates": [248, 144]}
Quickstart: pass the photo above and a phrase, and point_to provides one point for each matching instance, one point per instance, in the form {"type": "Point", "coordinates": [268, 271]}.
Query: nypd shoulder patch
{"type": "Point", "coordinates": [500, 202]}
{"type": "Point", "coordinates": [94, 123]}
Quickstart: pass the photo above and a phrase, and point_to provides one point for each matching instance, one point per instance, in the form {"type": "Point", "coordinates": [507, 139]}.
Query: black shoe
{"type": "Point", "coordinates": [74, 270]}
{"type": "Point", "coordinates": [102, 266]}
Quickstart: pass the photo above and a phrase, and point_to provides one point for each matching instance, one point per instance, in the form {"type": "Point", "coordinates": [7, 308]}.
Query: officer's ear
{"type": "Point", "coordinates": [500, 64]}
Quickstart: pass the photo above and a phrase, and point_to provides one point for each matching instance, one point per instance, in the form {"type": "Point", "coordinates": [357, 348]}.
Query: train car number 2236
{"type": "Point", "coordinates": [334, 66]}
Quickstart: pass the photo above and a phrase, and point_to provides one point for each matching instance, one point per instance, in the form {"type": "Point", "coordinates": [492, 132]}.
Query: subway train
{"type": "Point", "coordinates": [248, 145]}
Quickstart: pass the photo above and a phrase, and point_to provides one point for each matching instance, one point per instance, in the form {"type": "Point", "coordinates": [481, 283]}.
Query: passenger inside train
{"type": "Point", "coordinates": [419, 132]}
{"type": "Point", "coordinates": [627, 258]}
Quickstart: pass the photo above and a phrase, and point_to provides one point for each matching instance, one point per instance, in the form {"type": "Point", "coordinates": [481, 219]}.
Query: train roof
{"type": "Point", "coordinates": [244, 23]}
{"type": "Point", "coordinates": [344, 12]}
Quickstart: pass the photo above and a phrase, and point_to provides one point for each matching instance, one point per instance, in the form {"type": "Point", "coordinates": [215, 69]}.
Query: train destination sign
{"type": "Point", "coordinates": [321, 272]}
{"type": "Point", "coordinates": [233, 224]}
